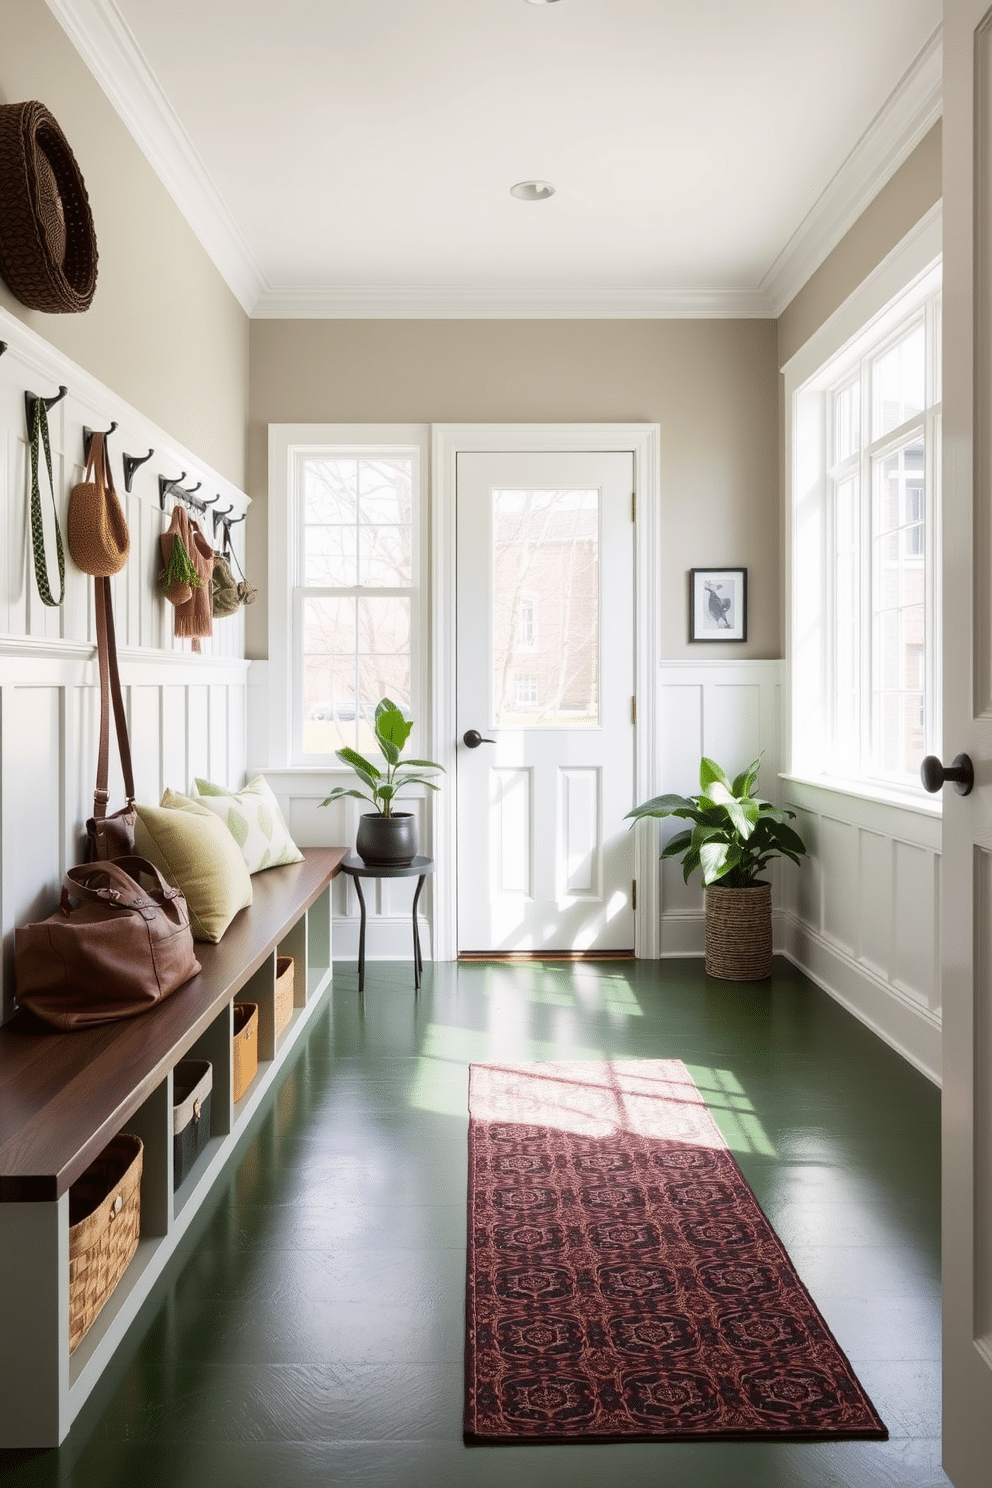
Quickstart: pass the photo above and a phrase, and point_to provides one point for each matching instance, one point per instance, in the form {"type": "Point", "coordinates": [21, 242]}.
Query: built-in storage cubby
{"type": "Point", "coordinates": [63, 1096]}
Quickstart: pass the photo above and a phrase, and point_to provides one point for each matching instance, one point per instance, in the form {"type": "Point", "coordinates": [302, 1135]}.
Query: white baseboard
{"type": "Point", "coordinates": [914, 1032]}
{"type": "Point", "coordinates": [387, 938]}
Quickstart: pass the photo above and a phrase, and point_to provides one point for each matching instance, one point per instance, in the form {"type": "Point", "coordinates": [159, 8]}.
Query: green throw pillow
{"type": "Point", "coordinates": [192, 848]}
{"type": "Point", "coordinates": [253, 818]}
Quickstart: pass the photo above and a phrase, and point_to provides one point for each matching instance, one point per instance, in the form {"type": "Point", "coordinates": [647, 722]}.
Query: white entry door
{"type": "Point", "coordinates": [545, 680]}
{"type": "Point", "coordinates": [966, 899]}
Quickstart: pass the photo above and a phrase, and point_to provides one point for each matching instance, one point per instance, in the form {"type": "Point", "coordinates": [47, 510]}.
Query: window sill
{"type": "Point", "coordinates": [862, 790]}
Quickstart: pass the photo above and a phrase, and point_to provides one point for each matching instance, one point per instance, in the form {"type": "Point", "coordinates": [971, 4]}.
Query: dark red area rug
{"type": "Point", "coordinates": [623, 1282]}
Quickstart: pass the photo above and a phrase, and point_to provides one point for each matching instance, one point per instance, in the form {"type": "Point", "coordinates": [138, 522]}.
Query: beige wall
{"type": "Point", "coordinates": [908, 196]}
{"type": "Point", "coordinates": [711, 385]}
{"type": "Point", "coordinates": [164, 331]}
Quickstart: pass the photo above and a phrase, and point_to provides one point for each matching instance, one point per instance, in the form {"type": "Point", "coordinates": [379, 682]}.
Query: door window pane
{"type": "Point", "coordinates": [545, 609]}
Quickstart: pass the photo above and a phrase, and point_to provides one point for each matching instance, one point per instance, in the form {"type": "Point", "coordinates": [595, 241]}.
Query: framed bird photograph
{"type": "Point", "coordinates": [718, 604]}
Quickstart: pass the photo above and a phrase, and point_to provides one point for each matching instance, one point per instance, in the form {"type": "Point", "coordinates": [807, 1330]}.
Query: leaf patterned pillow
{"type": "Point", "coordinates": [253, 818]}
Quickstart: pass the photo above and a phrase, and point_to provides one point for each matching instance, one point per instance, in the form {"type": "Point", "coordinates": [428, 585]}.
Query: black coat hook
{"type": "Point", "coordinates": [176, 489]}
{"type": "Point", "coordinates": [167, 487]}
{"type": "Point", "coordinates": [131, 463]}
{"type": "Point", "coordinates": [3, 347]}
{"type": "Point", "coordinates": [221, 516]}
{"type": "Point", "coordinates": [88, 437]}
{"type": "Point", "coordinates": [30, 399]}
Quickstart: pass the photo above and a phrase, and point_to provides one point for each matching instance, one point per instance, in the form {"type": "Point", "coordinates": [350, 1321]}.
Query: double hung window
{"type": "Point", "coordinates": [865, 571]}
{"type": "Point", "coordinates": [355, 597]}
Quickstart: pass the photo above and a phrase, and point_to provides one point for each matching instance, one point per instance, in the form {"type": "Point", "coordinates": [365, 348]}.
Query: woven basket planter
{"type": "Point", "coordinates": [739, 933]}
{"type": "Point", "coordinates": [104, 1221]}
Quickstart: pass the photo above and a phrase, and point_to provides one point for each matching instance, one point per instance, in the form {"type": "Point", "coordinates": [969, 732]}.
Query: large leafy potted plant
{"type": "Point", "coordinates": [386, 837]}
{"type": "Point", "coordinates": [734, 835]}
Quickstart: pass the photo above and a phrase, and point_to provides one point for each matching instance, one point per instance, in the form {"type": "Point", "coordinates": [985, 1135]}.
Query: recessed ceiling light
{"type": "Point", "coordinates": [532, 190]}
{"type": "Point", "coordinates": [542, 2]}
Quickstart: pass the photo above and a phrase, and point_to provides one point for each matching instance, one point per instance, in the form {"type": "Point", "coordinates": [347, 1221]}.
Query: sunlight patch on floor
{"type": "Point", "coordinates": [440, 1086]}
{"type": "Point", "coordinates": [591, 993]}
{"type": "Point", "coordinates": [732, 1110]}
{"type": "Point", "coordinates": [489, 1045]}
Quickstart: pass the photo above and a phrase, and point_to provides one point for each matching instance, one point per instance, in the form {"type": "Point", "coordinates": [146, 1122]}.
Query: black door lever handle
{"type": "Point", "coordinates": [472, 739]}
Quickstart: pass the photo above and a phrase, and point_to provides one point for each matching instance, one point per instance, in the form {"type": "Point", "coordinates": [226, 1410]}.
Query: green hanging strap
{"type": "Point", "coordinates": [39, 430]}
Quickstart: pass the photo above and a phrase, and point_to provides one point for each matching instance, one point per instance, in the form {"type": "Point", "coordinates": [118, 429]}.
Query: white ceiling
{"type": "Point", "coordinates": [354, 157]}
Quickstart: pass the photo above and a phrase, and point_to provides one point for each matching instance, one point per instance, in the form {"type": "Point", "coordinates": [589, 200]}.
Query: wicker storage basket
{"type": "Point", "coordinates": [104, 1221]}
{"type": "Point", "coordinates": [739, 933]}
{"type": "Point", "coordinates": [284, 991]}
{"type": "Point", "coordinates": [245, 1046]}
{"type": "Point", "coordinates": [192, 1083]}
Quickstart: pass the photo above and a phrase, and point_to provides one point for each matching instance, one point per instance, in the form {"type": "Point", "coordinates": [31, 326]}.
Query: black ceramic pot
{"type": "Point", "coordinates": [387, 841]}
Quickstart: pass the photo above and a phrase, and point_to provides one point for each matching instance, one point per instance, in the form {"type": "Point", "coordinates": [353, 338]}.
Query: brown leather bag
{"type": "Point", "coordinates": [110, 836]}
{"type": "Point", "coordinates": [117, 951]}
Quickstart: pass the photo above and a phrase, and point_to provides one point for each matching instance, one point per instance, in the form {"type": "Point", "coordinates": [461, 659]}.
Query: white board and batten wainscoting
{"type": "Point", "coordinates": [861, 917]}
{"type": "Point", "coordinates": [187, 713]}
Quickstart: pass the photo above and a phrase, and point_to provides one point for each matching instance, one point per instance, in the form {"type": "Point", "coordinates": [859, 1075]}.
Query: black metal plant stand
{"type": "Point", "coordinates": [357, 869]}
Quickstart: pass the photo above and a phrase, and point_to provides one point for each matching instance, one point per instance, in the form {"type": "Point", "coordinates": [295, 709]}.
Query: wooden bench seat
{"type": "Point", "coordinates": [64, 1095]}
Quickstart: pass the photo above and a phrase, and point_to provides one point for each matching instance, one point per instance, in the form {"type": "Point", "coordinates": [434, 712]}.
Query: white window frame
{"type": "Point", "coordinates": [289, 446]}
{"type": "Point", "coordinates": [879, 310]}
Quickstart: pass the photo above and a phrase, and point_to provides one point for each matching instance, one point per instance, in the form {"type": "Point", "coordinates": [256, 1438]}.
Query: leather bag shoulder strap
{"type": "Point", "coordinates": [110, 694]}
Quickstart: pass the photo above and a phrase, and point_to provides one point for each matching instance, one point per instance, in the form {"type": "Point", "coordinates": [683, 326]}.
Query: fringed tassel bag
{"type": "Point", "coordinates": [185, 578]}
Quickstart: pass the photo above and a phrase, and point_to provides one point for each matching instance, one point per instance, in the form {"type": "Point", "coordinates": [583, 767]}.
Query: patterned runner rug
{"type": "Point", "coordinates": [623, 1283]}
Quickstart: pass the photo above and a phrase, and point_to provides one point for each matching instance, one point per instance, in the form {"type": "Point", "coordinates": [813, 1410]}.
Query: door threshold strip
{"type": "Point", "coordinates": [546, 956]}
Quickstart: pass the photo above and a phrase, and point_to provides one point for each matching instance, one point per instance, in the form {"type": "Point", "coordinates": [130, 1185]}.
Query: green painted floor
{"type": "Point", "coordinates": [309, 1329]}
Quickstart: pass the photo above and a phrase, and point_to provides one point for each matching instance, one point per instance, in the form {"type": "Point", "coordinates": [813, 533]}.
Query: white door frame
{"type": "Point", "coordinates": [447, 442]}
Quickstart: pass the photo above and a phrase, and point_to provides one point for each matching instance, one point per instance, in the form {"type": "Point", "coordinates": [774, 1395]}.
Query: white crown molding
{"type": "Point", "coordinates": [106, 44]}
{"type": "Point", "coordinates": [899, 126]}
{"type": "Point", "coordinates": [370, 302]}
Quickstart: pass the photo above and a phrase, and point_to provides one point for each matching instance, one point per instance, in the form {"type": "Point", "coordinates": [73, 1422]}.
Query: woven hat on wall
{"type": "Point", "coordinates": [47, 241]}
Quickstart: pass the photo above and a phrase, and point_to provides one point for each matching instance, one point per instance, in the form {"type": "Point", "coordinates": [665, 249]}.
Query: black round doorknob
{"type": "Point", "coordinates": [961, 772]}
{"type": "Point", "coordinates": [472, 739]}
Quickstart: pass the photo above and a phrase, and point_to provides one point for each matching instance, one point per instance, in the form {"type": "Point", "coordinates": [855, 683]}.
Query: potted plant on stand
{"type": "Point", "coordinates": [734, 835]}
{"type": "Point", "coordinates": [386, 836]}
